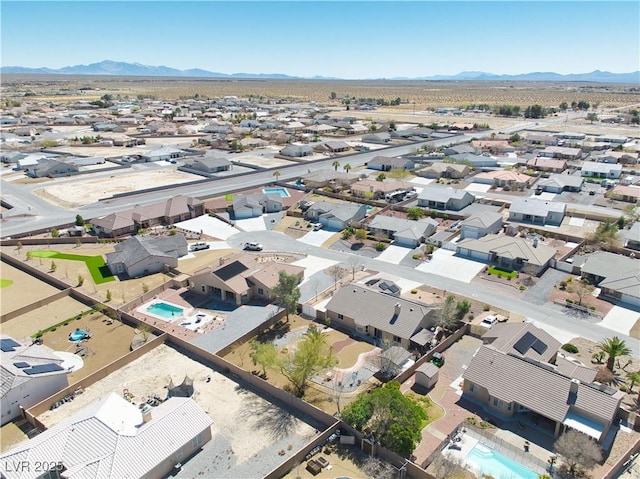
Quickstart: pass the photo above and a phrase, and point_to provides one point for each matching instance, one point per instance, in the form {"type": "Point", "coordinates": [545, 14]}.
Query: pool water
{"type": "Point", "coordinates": [491, 462]}
{"type": "Point", "coordinates": [277, 191]}
{"type": "Point", "coordinates": [77, 335]}
{"type": "Point", "coordinates": [165, 310]}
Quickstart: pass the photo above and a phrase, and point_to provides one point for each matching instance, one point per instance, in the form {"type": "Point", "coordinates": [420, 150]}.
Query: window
{"type": "Point", "coordinates": [196, 441]}
{"type": "Point", "coordinates": [472, 388]}
{"type": "Point", "coordinates": [203, 289]}
{"type": "Point", "coordinates": [497, 403]}
{"type": "Point", "coordinates": [179, 454]}
{"type": "Point", "coordinates": [340, 316]}
{"type": "Point", "coordinates": [396, 339]}
{"type": "Point", "coordinates": [261, 291]}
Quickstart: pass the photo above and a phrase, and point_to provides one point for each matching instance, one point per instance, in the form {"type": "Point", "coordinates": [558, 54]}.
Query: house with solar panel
{"type": "Point", "coordinates": [30, 374]}
{"type": "Point", "coordinates": [115, 438]}
{"type": "Point", "coordinates": [521, 373]}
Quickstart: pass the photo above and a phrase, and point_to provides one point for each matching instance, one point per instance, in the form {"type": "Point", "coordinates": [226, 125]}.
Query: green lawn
{"type": "Point", "coordinates": [502, 272]}
{"type": "Point", "coordinates": [97, 267]}
{"type": "Point", "coordinates": [5, 282]}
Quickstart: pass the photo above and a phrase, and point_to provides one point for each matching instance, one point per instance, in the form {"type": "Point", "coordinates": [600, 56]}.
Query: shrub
{"type": "Point", "coordinates": [416, 256]}
{"type": "Point", "coordinates": [53, 329]}
{"type": "Point", "coordinates": [522, 288]}
{"type": "Point", "coordinates": [380, 246]}
{"type": "Point", "coordinates": [414, 291]}
{"type": "Point", "coordinates": [570, 348]}
{"type": "Point", "coordinates": [568, 300]}
{"type": "Point", "coordinates": [38, 335]}
{"type": "Point", "coordinates": [80, 280]}
{"type": "Point", "coordinates": [486, 307]}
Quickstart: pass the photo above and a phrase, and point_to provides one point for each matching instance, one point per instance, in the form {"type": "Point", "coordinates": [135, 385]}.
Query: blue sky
{"type": "Point", "coordinates": [344, 39]}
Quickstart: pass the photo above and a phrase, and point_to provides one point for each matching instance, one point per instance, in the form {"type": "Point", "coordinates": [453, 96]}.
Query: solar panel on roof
{"type": "Point", "coordinates": [43, 368]}
{"type": "Point", "coordinates": [539, 347]}
{"type": "Point", "coordinates": [524, 343]}
{"type": "Point", "coordinates": [8, 345]}
{"type": "Point", "coordinates": [231, 270]}
{"type": "Point", "coordinates": [21, 364]}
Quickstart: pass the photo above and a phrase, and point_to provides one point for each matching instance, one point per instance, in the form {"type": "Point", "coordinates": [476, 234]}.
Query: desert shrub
{"type": "Point", "coordinates": [414, 291]}
{"type": "Point", "coordinates": [486, 307]}
{"type": "Point", "coordinates": [380, 246]}
{"type": "Point", "coordinates": [416, 256]}
{"type": "Point", "coordinates": [569, 300]}
{"type": "Point", "coordinates": [604, 376]}
{"type": "Point", "coordinates": [522, 288]}
{"type": "Point", "coordinates": [570, 348]}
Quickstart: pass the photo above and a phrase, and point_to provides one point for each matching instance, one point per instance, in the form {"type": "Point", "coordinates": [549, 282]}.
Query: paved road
{"type": "Point", "coordinates": [280, 242]}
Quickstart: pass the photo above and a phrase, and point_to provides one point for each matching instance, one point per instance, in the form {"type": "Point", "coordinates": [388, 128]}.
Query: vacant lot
{"type": "Point", "coordinates": [24, 290]}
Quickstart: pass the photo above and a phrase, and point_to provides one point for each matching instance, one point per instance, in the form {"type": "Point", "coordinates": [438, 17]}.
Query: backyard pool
{"type": "Point", "coordinates": [165, 310]}
{"type": "Point", "coordinates": [487, 461]}
{"type": "Point", "coordinates": [276, 191]}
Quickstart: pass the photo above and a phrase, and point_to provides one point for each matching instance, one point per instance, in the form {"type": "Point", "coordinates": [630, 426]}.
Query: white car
{"type": "Point", "coordinates": [317, 226]}
{"type": "Point", "coordinates": [199, 246]}
{"type": "Point", "coordinates": [489, 321]}
{"type": "Point", "coordinates": [253, 246]}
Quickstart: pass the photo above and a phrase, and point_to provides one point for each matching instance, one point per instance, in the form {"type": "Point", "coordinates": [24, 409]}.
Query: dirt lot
{"type": "Point", "coordinates": [82, 191]}
{"type": "Point", "coordinates": [24, 290]}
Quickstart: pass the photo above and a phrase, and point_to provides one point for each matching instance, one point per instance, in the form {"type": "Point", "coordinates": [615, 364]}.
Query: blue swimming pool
{"type": "Point", "coordinates": [488, 461]}
{"type": "Point", "coordinates": [165, 310]}
{"type": "Point", "coordinates": [276, 191]}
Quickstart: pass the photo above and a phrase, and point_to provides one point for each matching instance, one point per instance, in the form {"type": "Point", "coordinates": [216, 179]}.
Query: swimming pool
{"type": "Point", "coordinates": [277, 191]}
{"type": "Point", "coordinates": [165, 310]}
{"type": "Point", "coordinates": [488, 461]}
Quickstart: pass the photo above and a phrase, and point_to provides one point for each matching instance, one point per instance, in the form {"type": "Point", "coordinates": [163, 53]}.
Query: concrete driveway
{"type": "Point", "coordinates": [444, 263]}
{"type": "Point", "coordinates": [479, 187]}
{"type": "Point", "coordinates": [251, 224]}
{"type": "Point", "coordinates": [314, 264]}
{"type": "Point", "coordinates": [394, 254]}
{"type": "Point", "coordinates": [316, 238]}
{"type": "Point", "coordinates": [209, 226]}
{"type": "Point", "coordinates": [620, 320]}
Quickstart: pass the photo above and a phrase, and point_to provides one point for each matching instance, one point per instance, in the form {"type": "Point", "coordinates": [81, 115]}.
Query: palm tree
{"type": "Point", "coordinates": [613, 347]}
{"type": "Point", "coordinates": [336, 165]}
{"type": "Point", "coordinates": [276, 174]}
{"type": "Point", "coordinates": [347, 167]}
{"type": "Point", "coordinates": [634, 377]}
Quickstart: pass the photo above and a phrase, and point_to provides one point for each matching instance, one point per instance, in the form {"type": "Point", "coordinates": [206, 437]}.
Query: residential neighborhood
{"type": "Point", "coordinates": [213, 286]}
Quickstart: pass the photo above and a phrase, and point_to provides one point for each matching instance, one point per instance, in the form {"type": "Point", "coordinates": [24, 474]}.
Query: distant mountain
{"type": "Point", "coordinates": [109, 67]}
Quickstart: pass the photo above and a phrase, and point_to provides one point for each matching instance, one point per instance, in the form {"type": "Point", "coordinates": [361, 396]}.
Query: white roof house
{"type": "Point", "coordinates": [113, 438]}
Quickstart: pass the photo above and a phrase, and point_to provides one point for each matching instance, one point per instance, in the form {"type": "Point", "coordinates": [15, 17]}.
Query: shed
{"type": "Point", "coordinates": [427, 375]}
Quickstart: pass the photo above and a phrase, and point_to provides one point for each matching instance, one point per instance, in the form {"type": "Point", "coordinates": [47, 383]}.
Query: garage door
{"type": "Point", "coordinates": [333, 224]}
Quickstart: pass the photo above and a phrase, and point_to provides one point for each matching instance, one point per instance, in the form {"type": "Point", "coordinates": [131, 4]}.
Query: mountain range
{"type": "Point", "coordinates": [109, 67]}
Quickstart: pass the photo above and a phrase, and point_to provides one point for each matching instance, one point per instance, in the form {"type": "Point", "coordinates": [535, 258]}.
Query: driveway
{"type": "Point", "coordinates": [620, 320]}
{"type": "Point", "coordinates": [209, 226]}
{"type": "Point", "coordinates": [316, 238]}
{"type": "Point", "coordinates": [478, 187]}
{"type": "Point", "coordinates": [539, 293]}
{"type": "Point", "coordinates": [405, 285]}
{"type": "Point", "coordinates": [314, 264]}
{"type": "Point", "coordinates": [394, 254]}
{"type": "Point", "coordinates": [421, 181]}
{"type": "Point", "coordinates": [251, 224]}
{"type": "Point", "coordinates": [444, 263]}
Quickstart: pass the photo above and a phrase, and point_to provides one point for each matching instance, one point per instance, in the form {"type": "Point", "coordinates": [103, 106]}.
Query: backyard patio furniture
{"type": "Point", "coordinates": [313, 467]}
{"type": "Point", "coordinates": [322, 461]}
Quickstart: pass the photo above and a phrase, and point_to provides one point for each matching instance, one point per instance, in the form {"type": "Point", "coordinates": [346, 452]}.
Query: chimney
{"type": "Point", "coordinates": [396, 309]}
{"type": "Point", "coordinates": [146, 413]}
{"type": "Point", "coordinates": [573, 387]}
{"type": "Point", "coordinates": [221, 261]}
{"type": "Point", "coordinates": [535, 242]}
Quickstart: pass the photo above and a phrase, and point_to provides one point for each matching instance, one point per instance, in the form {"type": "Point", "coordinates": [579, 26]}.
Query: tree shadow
{"type": "Point", "coordinates": [276, 331]}
{"type": "Point", "coordinates": [277, 422]}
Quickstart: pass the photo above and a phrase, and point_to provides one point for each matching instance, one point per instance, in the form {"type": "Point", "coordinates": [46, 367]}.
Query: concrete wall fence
{"type": "Point", "coordinates": [35, 305]}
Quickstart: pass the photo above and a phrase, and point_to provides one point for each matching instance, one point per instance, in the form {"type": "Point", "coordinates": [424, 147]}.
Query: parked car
{"type": "Point", "coordinates": [316, 226]}
{"type": "Point", "coordinates": [199, 246]}
{"type": "Point", "coordinates": [489, 321]}
{"type": "Point", "coordinates": [438, 359]}
{"type": "Point", "coordinates": [253, 246]}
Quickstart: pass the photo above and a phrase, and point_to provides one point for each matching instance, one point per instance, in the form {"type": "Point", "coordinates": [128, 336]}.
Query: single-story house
{"type": "Point", "coordinates": [296, 151]}
{"type": "Point", "coordinates": [616, 139]}
{"type": "Point", "coordinates": [570, 135]}
{"type": "Point", "coordinates": [52, 167]}
{"type": "Point", "coordinates": [632, 236]}
{"type": "Point", "coordinates": [252, 143]}
{"type": "Point", "coordinates": [115, 438]}
{"type": "Point", "coordinates": [144, 255]}
{"type": "Point", "coordinates": [622, 157]}
{"type": "Point", "coordinates": [256, 204]}
{"type": "Point", "coordinates": [384, 163]}
{"type": "Point", "coordinates": [377, 138]}
{"type": "Point", "coordinates": [336, 216]}
{"type": "Point", "coordinates": [558, 183]}
{"type": "Point", "coordinates": [493, 146]}
{"type": "Point", "coordinates": [328, 177]}
{"type": "Point", "coordinates": [334, 146]}
{"type": "Point", "coordinates": [503, 178]}
{"type": "Point", "coordinates": [460, 149]}
{"type": "Point", "coordinates": [630, 194]}
{"type": "Point", "coordinates": [404, 232]}
{"type": "Point", "coordinates": [208, 164]}
{"type": "Point", "coordinates": [294, 127]}
{"type": "Point", "coordinates": [162, 153]}
{"type": "Point", "coordinates": [439, 198]}
{"type": "Point", "coordinates": [536, 211]}
{"type": "Point", "coordinates": [319, 129]}
{"type": "Point", "coordinates": [504, 378]}
{"type": "Point", "coordinates": [444, 170]}
{"type": "Point", "coordinates": [377, 189]}
{"type": "Point", "coordinates": [380, 317]}
{"type": "Point", "coordinates": [356, 129]}
{"type": "Point", "coordinates": [601, 170]}
{"type": "Point", "coordinates": [217, 128]}
{"type": "Point", "coordinates": [561, 152]}
{"type": "Point", "coordinates": [481, 225]}
{"type": "Point", "coordinates": [618, 276]}
{"type": "Point", "coordinates": [624, 286]}
{"type": "Point", "coordinates": [107, 127]}
{"type": "Point", "coordinates": [509, 253]}
{"type": "Point", "coordinates": [547, 164]}
{"type": "Point", "coordinates": [541, 139]}
{"type": "Point", "coordinates": [30, 374]}
{"type": "Point", "coordinates": [473, 160]}
{"type": "Point", "coordinates": [240, 278]}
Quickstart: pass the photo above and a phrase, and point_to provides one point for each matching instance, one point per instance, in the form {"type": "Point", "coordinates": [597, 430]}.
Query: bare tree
{"type": "Point", "coordinates": [374, 468]}
{"type": "Point", "coordinates": [580, 289]}
{"type": "Point", "coordinates": [447, 316]}
{"type": "Point", "coordinates": [578, 450]}
{"type": "Point", "coordinates": [355, 264]}
{"type": "Point", "coordinates": [337, 387]}
{"type": "Point", "coordinates": [336, 273]}
{"type": "Point", "coordinates": [445, 467]}
{"type": "Point", "coordinates": [389, 360]}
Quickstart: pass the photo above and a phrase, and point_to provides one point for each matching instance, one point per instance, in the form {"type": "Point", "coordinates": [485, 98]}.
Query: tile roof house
{"type": "Point", "coordinates": [481, 225]}
{"type": "Point", "coordinates": [378, 188]}
{"type": "Point", "coordinates": [630, 194]}
{"type": "Point", "coordinates": [380, 317]}
{"type": "Point", "coordinates": [334, 146]}
{"type": "Point", "coordinates": [507, 252]}
{"type": "Point", "coordinates": [114, 438]}
{"type": "Point", "coordinates": [444, 198]}
{"type": "Point", "coordinates": [144, 255]}
{"type": "Point", "coordinates": [601, 170]}
{"type": "Point", "coordinates": [503, 178]}
{"type": "Point", "coordinates": [384, 163]}
{"type": "Point", "coordinates": [377, 138]}
{"type": "Point", "coordinates": [30, 373]}
{"type": "Point", "coordinates": [561, 152]}
{"type": "Point", "coordinates": [632, 236]}
{"type": "Point", "coordinates": [162, 153]}
{"type": "Point", "coordinates": [240, 278]}
{"type": "Point", "coordinates": [444, 170]}
{"type": "Point", "coordinates": [336, 216]}
{"type": "Point", "coordinates": [403, 231]}
{"type": "Point", "coordinates": [328, 176]}
{"type": "Point", "coordinates": [547, 164]}
{"type": "Point", "coordinates": [514, 376]}
{"type": "Point", "coordinates": [558, 183]}
{"type": "Point", "coordinates": [536, 211]}
{"type": "Point", "coordinates": [618, 276]}
{"type": "Point", "coordinates": [256, 204]}
{"type": "Point", "coordinates": [51, 167]}
{"type": "Point", "coordinates": [296, 151]}
{"type": "Point", "coordinates": [207, 164]}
